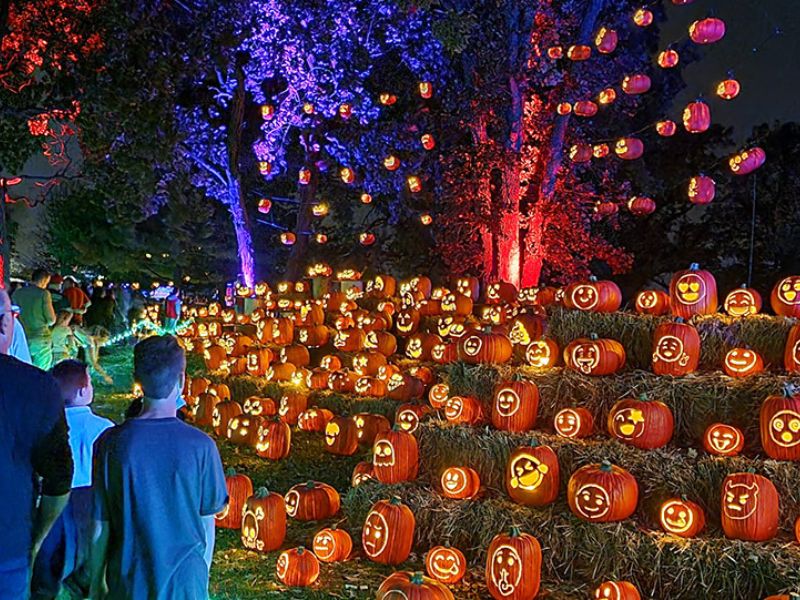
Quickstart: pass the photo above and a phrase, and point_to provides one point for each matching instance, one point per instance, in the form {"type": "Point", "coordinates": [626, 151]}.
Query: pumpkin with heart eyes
{"type": "Point", "coordinates": [693, 292]}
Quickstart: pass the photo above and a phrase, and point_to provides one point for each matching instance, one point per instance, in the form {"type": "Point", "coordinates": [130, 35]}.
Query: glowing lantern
{"type": "Point", "coordinates": [641, 423]}
{"type": "Point", "coordinates": [606, 209]}
{"type": "Point", "coordinates": [607, 96]}
{"type": "Point", "coordinates": [602, 493]}
{"type": "Point", "coordinates": [676, 349]}
{"type": "Point", "coordinates": [320, 209]}
{"type": "Point", "coordinates": [425, 89]}
{"type": "Point", "coordinates": [515, 406]}
{"type": "Point", "coordinates": [428, 141]}
{"type": "Point", "coordinates": [426, 219]}
{"type": "Point", "coordinates": [395, 456]}
{"type": "Point", "coordinates": [267, 111]}
{"type": "Point", "coordinates": [460, 483]}
{"type": "Point", "coordinates": [532, 475]}
{"type": "Point", "coordinates": [580, 153]}
{"type": "Point", "coordinates": [639, 83]}
{"type": "Point", "coordinates": [388, 532]}
{"type": "Point", "coordinates": [288, 238]}
{"type": "Point", "coordinates": [308, 108]}
{"type": "Point", "coordinates": [264, 167]}
{"type": "Point", "coordinates": [697, 117]}
{"type": "Point", "coordinates": [668, 59]}
{"type": "Point", "coordinates": [446, 564]}
{"type": "Point", "coordinates": [747, 161]}
{"type": "Point", "coordinates": [652, 302]}
{"type": "Point", "coordinates": [297, 567]}
{"type": "Point", "coordinates": [629, 148]}
{"type": "Point", "coordinates": [579, 52]}
{"type": "Point", "coordinates": [345, 110]}
{"type": "Point", "coordinates": [312, 501]}
{"type": "Point", "coordinates": [606, 40]}
{"type": "Point", "coordinates": [741, 362]}
{"type": "Point", "coordinates": [555, 52]}
{"type": "Point", "coordinates": [414, 184]}
{"type": "Point", "coordinates": [563, 108]}
{"type": "Point", "coordinates": [666, 128]}
{"type": "Point", "coordinates": [616, 590]}
{"type": "Point", "coordinates": [728, 89]}
{"type": "Point", "coordinates": [723, 440]}
{"type": "Point", "coordinates": [641, 206]}
{"type": "Point", "coordinates": [240, 488]}
{"type": "Point", "coordinates": [366, 198]}
{"type": "Point", "coordinates": [321, 238]}
{"type": "Point", "coordinates": [391, 163]}
{"type": "Point", "coordinates": [542, 353]}
{"type": "Point", "coordinates": [264, 205]}
{"type": "Point", "coordinates": [304, 176]}
{"type": "Point", "coordinates": [643, 17]}
{"type": "Point", "coordinates": [742, 302]}
{"type": "Point", "coordinates": [514, 566]}
{"type": "Point", "coordinates": [749, 507]}
{"type": "Point", "coordinates": [707, 31]}
{"type": "Point", "coordinates": [366, 238]}
{"type": "Point", "coordinates": [387, 99]}
{"type": "Point", "coordinates": [701, 189]}
{"type": "Point", "coordinates": [574, 423]}
{"type": "Point", "coordinates": [600, 150]}
{"type": "Point", "coordinates": [693, 292]}
{"type": "Point", "coordinates": [347, 175]}
{"type": "Point", "coordinates": [780, 425]}
{"type": "Point", "coordinates": [585, 108]}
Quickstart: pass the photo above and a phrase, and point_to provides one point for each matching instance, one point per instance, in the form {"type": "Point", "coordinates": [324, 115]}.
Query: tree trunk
{"type": "Point", "coordinates": [4, 245]}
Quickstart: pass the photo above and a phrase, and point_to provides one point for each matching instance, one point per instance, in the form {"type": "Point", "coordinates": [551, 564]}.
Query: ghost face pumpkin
{"type": "Point", "coordinates": [780, 425]}
{"type": "Point", "coordinates": [785, 297]}
{"type": "Point", "coordinates": [388, 532]}
{"type": "Point", "coordinates": [574, 423]}
{"type": "Point", "coordinates": [515, 406]}
{"type": "Point", "coordinates": [460, 483]}
{"type": "Point", "coordinates": [676, 349]}
{"type": "Point", "coordinates": [446, 564]}
{"type": "Point", "coordinates": [723, 440]}
{"type": "Point", "coordinates": [513, 566]}
{"type": "Point", "coordinates": [641, 423]}
{"type": "Point", "coordinates": [742, 302]}
{"type": "Point", "coordinates": [602, 493]}
{"type": "Point", "coordinates": [532, 475]}
{"type": "Point", "coordinates": [682, 518]}
{"type": "Point", "coordinates": [749, 507]}
{"type": "Point", "coordinates": [693, 292]}
{"type": "Point", "coordinates": [742, 362]}
{"type": "Point", "coordinates": [395, 457]}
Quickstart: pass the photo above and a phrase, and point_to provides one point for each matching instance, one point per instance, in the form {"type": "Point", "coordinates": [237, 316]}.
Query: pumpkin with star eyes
{"type": "Point", "coordinates": [594, 356]}
{"type": "Point", "coordinates": [460, 483]}
{"type": "Point", "coordinates": [259, 407]}
{"type": "Point", "coordinates": [341, 436]}
{"type": "Point", "coordinates": [676, 348]}
{"type": "Point", "coordinates": [263, 521]}
{"type": "Point", "coordinates": [368, 426]}
{"type": "Point", "coordinates": [332, 545]}
{"type": "Point", "coordinates": [652, 302]}
{"type": "Point", "coordinates": [224, 412]}
{"type": "Point", "coordinates": [642, 423]}
{"type": "Point", "coordinates": [395, 456]}
{"type": "Point", "coordinates": [742, 302]}
{"type": "Point", "coordinates": [742, 362]}
{"type": "Point", "coordinates": [274, 439]}
{"type": "Point", "coordinates": [291, 406]}
{"type": "Point", "coordinates": [408, 416]}
{"type": "Point", "coordinates": [243, 430]}
{"type": "Point", "coordinates": [388, 532]}
{"type": "Point", "coordinates": [312, 501]}
{"type": "Point", "coordinates": [785, 297]}
{"type": "Point", "coordinates": [405, 584]}
{"type": "Point", "coordinates": [482, 348]}
{"type": "Point", "coordinates": [616, 590]}
{"type": "Point", "coordinates": [314, 419]}
{"type": "Point", "coordinates": [463, 410]}
{"type": "Point", "coordinates": [682, 517]}
{"type": "Point", "coordinates": [446, 564]}
{"type": "Point", "coordinates": [543, 353]}
{"type": "Point", "coordinates": [240, 488]}
{"type": "Point", "coordinates": [514, 566]}
{"type": "Point", "coordinates": [693, 292]}
{"type": "Point", "coordinates": [532, 475]}
{"type": "Point", "coordinates": [593, 296]}
{"type": "Point", "coordinates": [750, 507]}
{"type": "Point", "coordinates": [515, 406]}
{"type": "Point", "coordinates": [779, 424]}
{"type": "Point", "coordinates": [576, 422]}
{"type": "Point", "coordinates": [723, 440]}
{"type": "Point", "coordinates": [297, 567]}
{"type": "Point", "coordinates": [602, 493]}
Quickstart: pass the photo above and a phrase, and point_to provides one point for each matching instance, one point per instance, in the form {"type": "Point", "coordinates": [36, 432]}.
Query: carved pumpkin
{"type": "Point", "coordinates": [543, 353]}
{"type": "Point", "coordinates": [594, 356]}
{"type": "Point", "coordinates": [676, 349]}
{"type": "Point", "coordinates": [274, 439]}
{"type": "Point", "coordinates": [696, 117]}
{"type": "Point", "coordinates": [291, 405]}
{"type": "Point", "coordinates": [332, 545]}
{"type": "Point", "coordinates": [341, 436]}
{"type": "Point", "coordinates": [747, 161]}
{"type": "Point", "coordinates": [668, 59]}
{"type": "Point", "coordinates": [723, 440]}
{"type": "Point", "coordinates": [224, 412]}
{"type": "Point", "coordinates": [467, 286]}
{"type": "Point", "coordinates": [408, 416]}
{"type": "Point", "coordinates": [280, 372]}
{"type": "Point", "coordinates": [407, 322]}
{"type": "Point", "coordinates": [314, 419]}
{"type": "Point", "coordinates": [404, 584]}
{"type": "Point", "coordinates": [749, 507]}
{"type": "Point", "coordinates": [395, 456]}
{"type": "Point", "coordinates": [388, 532]}
{"type": "Point", "coordinates": [460, 483]}
{"type": "Point", "coordinates": [463, 410]}
{"type": "Point", "coordinates": [629, 148]}
{"type": "Point", "coordinates": [444, 353]}
{"type": "Point", "coordinates": [532, 475]}
{"type": "Point", "coordinates": [297, 567]}
{"type": "Point", "coordinates": [642, 423]}
{"type": "Point", "coordinates": [682, 517]}
{"type": "Point", "coordinates": [524, 329]}
{"type": "Point", "coordinates": [602, 493]}
{"type": "Point", "coordinates": [514, 566]}
{"type": "Point", "coordinates": [791, 353]}
{"type": "Point", "coordinates": [785, 297]}
{"type": "Point", "coordinates": [780, 425]}
{"type": "Point", "coordinates": [707, 31]}
{"type": "Point", "coordinates": [742, 302]}
{"type": "Point", "coordinates": [701, 190]}
{"type": "Point", "coordinates": [259, 407]}
{"type": "Point", "coordinates": [419, 346]}
{"type": "Point", "coordinates": [446, 564]}
{"type": "Point", "coordinates": [606, 40]}
{"type": "Point", "coordinates": [363, 471]}
{"type": "Point", "coordinates": [438, 395]}
{"type": "Point", "coordinates": [652, 302]}
{"type": "Point", "coordinates": [368, 363]}
{"type": "Point", "coordinates": [370, 386]}
{"type": "Point", "coordinates": [477, 348]}
{"type": "Point", "coordinates": [617, 590]}
{"type": "Point", "coordinates": [643, 17]}
{"type": "Point", "coordinates": [638, 83]}
{"type": "Point", "coordinates": [312, 501]}
{"type": "Point", "coordinates": [742, 362]}
{"type": "Point", "coordinates": [404, 387]}
{"type": "Point", "coordinates": [693, 292]}
{"type": "Point", "coordinates": [263, 521]}
{"type": "Point", "coordinates": [351, 340]}
{"type": "Point", "coordinates": [381, 341]}
{"type": "Point", "coordinates": [240, 488]}
{"type": "Point", "coordinates": [243, 430]}
{"type": "Point", "coordinates": [593, 296]}
{"type": "Point", "coordinates": [574, 423]}
{"type": "Point", "coordinates": [515, 406]}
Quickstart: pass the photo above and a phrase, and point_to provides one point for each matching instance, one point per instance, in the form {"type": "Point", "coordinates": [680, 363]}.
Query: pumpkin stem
{"type": "Point", "coordinates": [606, 466]}
{"type": "Point", "coordinates": [593, 278]}
{"type": "Point", "coordinates": [230, 472]}
{"type": "Point", "coordinates": [417, 578]}
{"type": "Point", "coordinates": [300, 551]}
{"type": "Point", "coordinates": [311, 484]}
{"type": "Point", "coordinates": [514, 531]}
{"type": "Point", "coordinates": [643, 397]}
{"type": "Point", "coordinates": [680, 320]}
{"type": "Point", "coordinates": [694, 267]}
{"type": "Point", "coordinates": [395, 501]}
{"type": "Point", "coordinates": [743, 286]}
{"type": "Point", "coordinates": [593, 336]}
{"type": "Point", "coordinates": [789, 390]}
{"type": "Point", "coordinates": [534, 443]}
{"type": "Point", "coordinates": [261, 493]}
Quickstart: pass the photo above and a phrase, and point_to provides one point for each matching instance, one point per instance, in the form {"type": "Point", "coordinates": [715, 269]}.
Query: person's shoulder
{"type": "Point", "coordinates": [27, 378]}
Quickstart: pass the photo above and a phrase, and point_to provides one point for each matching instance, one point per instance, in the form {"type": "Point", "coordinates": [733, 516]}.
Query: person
{"type": "Point", "coordinates": [65, 551]}
{"type": "Point", "coordinates": [79, 302]}
{"type": "Point", "coordinates": [37, 316]}
{"type": "Point", "coordinates": [19, 343]}
{"type": "Point", "coordinates": [56, 295]}
{"type": "Point", "coordinates": [33, 443]}
{"type": "Point", "coordinates": [157, 485]}
{"type": "Point", "coordinates": [64, 345]}
{"type": "Point", "coordinates": [172, 310]}
{"type": "Point", "coordinates": [90, 341]}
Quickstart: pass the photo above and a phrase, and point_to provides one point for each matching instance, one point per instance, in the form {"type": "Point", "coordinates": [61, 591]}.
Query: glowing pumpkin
{"type": "Point", "coordinates": [594, 356]}
{"type": "Point", "coordinates": [666, 128]}
{"type": "Point", "coordinates": [742, 302]}
{"type": "Point", "coordinates": [575, 422]}
{"type": "Point", "coordinates": [728, 89]}
{"type": "Point", "coordinates": [593, 296]}
{"type": "Point", "coordinates": [742, 362]}
{"type": "Point", "coordinates": [641, 423]}
{"type": "Point", "coordinates": [785, 297]}
{"type": "Point", "coordinates": [668, 59]}
{"type": "Point", "coordinates": [602, 493]}
{"type": "Point", "coordinates": [460, 483]}
{"type": "Point", "coordinates": [642, 17]}
{"type": "Point", "coordinates": [404, 584]}
{"type": "Point", "coordinates": [641, 206]}
{"type": "Point", "coordinates": [638, 83]}
{"type": "Point", "coordinates": [532, 475]}
{"type": "Point", "coordinates": [332, 545]}
{"type": "Point", "coordinates": [312, 501]}
{"type": "Point", "coordinates": [749, 507]}
{"type": "Point", "coordinates": [514, 566]}
{"type": "Point", "coordinates": [697, 117]}
{"type": "Point", "coordinates": [676, 349]}
{"type": "Point", "coordinates": [446, 564]}
{"type": "Point", "coordinates": [693, 292]}
{"type": "Point", "coordinates": [515, 406]}
{"type": "Point", "coordinates": [707, 31]}
{"type": "Point", "coordinates": [543, 353]}
{"type": "Point", "coordinates": [780, 425]}
{"type": "Point", "coordinates": [747, 161]}
{"type": "Point", "coordinates": [297, 567]}
{"type": "Point", "coordinates": [263, 521]}
{"type": "Point", "coordinates": [723, 440]}
{"type": "Point", "coordinates": [652, 302]}
{"type": "Point", "coordinates": [701, 189]}
{"type": "Point", "coordinates": [682, 517]}
{"type": "Point", "coordinates": [240, 488]}
{"type": "Point", "coordinates": [629, 148]}
{"type": "Point", "coordinates": [395, 456]}
{"type": "Point", "coordinates": [616, 590]}
{"type": "Point", "coordinates": [388, 532]}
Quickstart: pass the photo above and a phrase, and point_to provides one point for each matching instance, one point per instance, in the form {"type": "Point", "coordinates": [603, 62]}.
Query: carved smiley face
{"type": "Point", "coordinates": [724, 439]}
{"type": "Point", "coordinates": [740, 500]}
{"type": "Point", "coordinates": [506, 569]}
{"type": "Point", "coordinates": [375, 535]}
{"type": "Point", "coordinates": [676, 516]}
{"type": "Point", "coordinates": [690, 288]}
{"type": "Point", "coordinates": [741, 360]}
{"type": "Point", "coordinates": [592, 501]}
{"type": "Point", "coordinates": [629, 423]}
{"type": "Point", "coordinates": [332, 431]}
{"type": "Point", "coordinates": [250, 526]}
{"type": "Point", "coordinates": [292, 500]}
{"type": "Point", "coordinates": [568, 422]}
{"type": "Point", "coordinates": [407, 420]}
{"type": "Point", "coordinates": [586, 357]}
{"type": "Point", "coordinates": [493, 291]}
{"type": "Point", "coordinates": [324, 545]}
{"type": "Point", "coordinates": [784, 428]}
{"type": "Point", "coordinates": [383, 454]}
{"type": "Point", "coordinates": [608, 590]}
{"type": "Point", "coordinates": [670, 349]}
{"type": "Point", "coordinates": [282, 566]}
{"type": "Point", "coordinates": [507, 402]}
{"type": "Point", "coordinates": [454, 480]}
{"type": "Point", "coordinates": [538, 354]}
{"type": "Point", "coordinates": [519, 334]}
{"type": "Point", "coordinates": [453, 408]}
{"type": "Point", "coordinates": [646, 299]}
{"type": "Point", "coordinates": [414, 347]}
{"type": "Point", "coordinates": [472, 345]}
{"type": "Point", "coordinates": [527, 472]}
{"type": "Point", "coordinates": [789, 290]}
{"type": "Point", "coordinates": [740, 303]}
{"type": "Point", "coordinates": [445, 564]}
{"type": "Point", "coordinates": [584, 297]}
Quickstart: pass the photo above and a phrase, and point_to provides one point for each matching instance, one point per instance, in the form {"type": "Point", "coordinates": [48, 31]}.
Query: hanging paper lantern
{"type": "Point", "coordinates": [747, 161]}
{"type": "Point", "coordinates": [321, 238]}
{"type": "Point", "coordinates": [629, 148]}
{"type": "Point", "coordinates": [697, 117]}
{"type": "Point", "coordinates": [264, 205]}
{"type": "Point", "coordinates": [304, 176]}
{"type": "Point", "coordinates": [320, 209]}
{"type": "Point", "coordinates": [347, 175]}
{"type": "Point", "coordinates": [701, 189]}
{"type": "Point", "coordinates": [391, 163]}
{"type": "Point", "coordinates": [666, 128]}
{"type": "Point", "coordinates": [606, 209]}
{"type": "Point", "coordinates": [643, 17]}
{"type": "Point", "coordinates": [580, 153]}
{"type": "Point", "coordinates": [426, 219]}
{"type": "Point", "coordinates": [579, 52]}
{"type": "Point", "coordinates": [366, 238]}
{"type": "Point", "coordinates": [428, 142]}
{"type": "Point", "coordinates": [606, 40]}
{"type": "Point", "coordinates": [267, 111]}
{"type": "Point", "coordinates": [366, 198]}
{"type": "Point", "coordinates": [387, 99]}
{"type": "Point", "coordinates": [425, 89]}
{"type": "Point", "coordinates": [641, 206]}
{"type": "Point", "coordinates": [555, 52]}
{"type": "Point", "coordinates": [308, 108]}
{"type": "Point", "coordinates": [585, 108]}
{"type": "Point", "coordinates": [600, 150]}
{"type": "Point", "coordinates": [345, 110]}
{"type": "Point", "coordinates": [638, 83]}
{"type": "Point", "coordinates": [607, 96]}
{"type": "Point", "coordinates": [707, 31]}
{"type": "Point", "coordinates": [668, 59]}
{"type": "Point", "coordinates": [728, 89]}
{"type": "Point", "coordinates": [564, 108]}
{"type": "Point", "coordinates": [264, 167]}
{"type": "Point", "coordinates": [414, 184]}
{"type": "Point", "coordinates": [288, 238]}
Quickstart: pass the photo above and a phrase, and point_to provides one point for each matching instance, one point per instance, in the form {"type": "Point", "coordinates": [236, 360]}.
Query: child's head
{"type": "Point", "coordinates": [74, 381]}
{"type": "Point", "coordinates": [63, 318]}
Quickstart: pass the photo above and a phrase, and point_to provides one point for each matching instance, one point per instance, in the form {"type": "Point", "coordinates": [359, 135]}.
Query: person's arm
{"type": "Point", "coordinates": [47, 513]}
{"type": "Point", "coordinates": [49, 311]}
{"type": "Point", "coordinates": [210, 527]}
{"type": "Point", "coordinates": [97, 560]}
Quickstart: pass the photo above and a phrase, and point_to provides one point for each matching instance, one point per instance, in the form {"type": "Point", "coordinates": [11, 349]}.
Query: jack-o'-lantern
{"type": "Point", "coordinates": [370, 386]}
{"type": "Point", "coordinates": [297, 354]}
{"type": "Point", "coordinates": [240, 488]}
{"type": "Point", "coordinates": [404, 387]}
{"type": "Point", "coordinates": [363, 471]}
{"type": "Point", "coordinates": [243, 430]}
{"type": "Point", "coordinates": [742, 362]}
{"type": "Point", "coordinates": [701, 189]}
{"type": "Point", "coordinates": [446, 564]}
{"type": "Point", "coordinates": [460, 483]}
{"type": "Point", "coordinates": [463, 410]}
{"type": "Point", "coordinates": [314, 419]}
{"type": "Point", "coordinates": [602, 493]}
{"type": "Point", "coordinates": [395, 456]}
{"type": "Point", "coordinates": [543, 353]}
{"type": "Point", "coordinates": [514, 566]}
{"type": "Point", "coordinates": [682, 517]}
{"type": "Point", "coordinates": [368, 363]}
{"type": "Point", "coordinates": [580, 153]}
{"type": "Point", "coordinates": [223, 412]}
{"type": "Point", "coordinates": [386, 98]}
{"type": "Point", "coordinates": [215, 356]}
{"type": "Point", "coordinates": [341, 436]}
{"type": "Point", "coordinates": [707, 31]}
{"type": "Point", "coordinates": [456, 304]}
{"type": "Point", "coordinates": [652, 302]}
{"type": "Point", "coordinates": [607, 96]}
{"type": "Point", "coordinates": [467, 286]}
{"type": "Point", "coordinates": [593, 296]}
{"type": "Point", "coordinates": [532, 475]}
{"type": "Point", "coordinates": [791, 353]}
{"type": "Point", "coordinates": [387, 371]}
{"type": "Point", "coordinates": [579, 52]}
{"type": "Point", "coordinates": [642, 17]}
{"type": "Point", "coordinates": [438, 395]}
{"type": "Point", "coordinates": [524, 329]}
{"type": "Point", "coordinates": [642, 423]}
{"type": "Point", "coordinates": [313, 336]}
{"type": "Point", "coordinates": [351, 340]}
{"type": "Point", "coordinates": [381, 341]}
{"type": "Point", "coordinates": [407, 322]}
{"type": "Point", "coordinates": [749, 507]}
{"type": "Point", "coordinates": [606, 40]}
{"type": "Point", "coordinates": [666, 128]}
{"type": "Point", "coordinates": [444, 353]}
{"type": "Point", "coordinates": [629, 148]}
{"type": "Point", "coordinates": [594, 356]}
{"type": "Point", "coordinates": [575, 423]}
{"type": "Point", "coordinates": [728, 89]}
{"type": "Point", "coordinates": [273, 440]}
{"type": "Point", "coordinates": [697, 117]}
{"type": "Point", "coordinates": [332, 545]}
{"type": "Point", "coordinates": [668, 59]}
{"type": "Point", "coordinates": [616, 590]}
{"type": "Point", "coordinates": [408, 416]}
{"type": "Point", "coordinates": [780, 425]}
{"type": "Point", "coordinates": [347, 175]}
{"type": "Point", "coordinates": [312, 501]}
{"type": "Point", "coordinates": [419, 346]}
{"type": "Point", "coordinates": [330, 362]}
{"type": "Point", "coordinates": [723, 440]}
{"type": "Point", "coordinates": [747, 161]}
{"type": "Point", "coordinates": [693, 292]}
{"type": "Point", "coordinates": [342, 381]}
{"type": "Point", "coordinates": [500, 292]}
{"type": "Point", "coordinates": [676, 349]}
{"type": "Point", "coordinates": [585, 108]}
{"type": "Point", "coordinates": [258, 360]}
{"type": "Point", "coordinates": [785, 297]}
{"type": "Point", "coordinates": [428, 142]}
{"type": "Point", "coordinates": [297, 567]}
{"type": "Point", "coordinates": [381, 286]}
{"type": "Point", "coordinates": [638, 83]}
{"type": "Point", "coordinates": [388, 532]}
{"type": "Point", "coordinates": [477, 348]}
{"type": "Point", "coordinates": [391, 162]}
{"type": "Point", "coordinates": [263, 521]}
{"type": "Point", "coordinates": [743, 302]}
{"type": "Point", "coordinates": [291, 405]}
{"type": "Point", "coordinates": [317, 379]}
{"type": "Point", "coordinates": [368, 426]}
{"type": "Point", "coordinates": [414, 184]}
{"type": "Point", "coordinates": [404, 584]}
{"type": "Point", "coordinates": [515, 406]}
